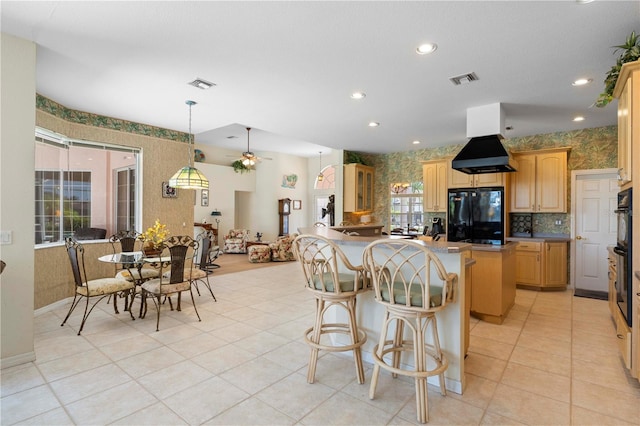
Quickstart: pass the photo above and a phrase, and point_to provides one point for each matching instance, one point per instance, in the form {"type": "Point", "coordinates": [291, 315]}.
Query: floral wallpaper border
{"type": "Point", "coordinates": [47, 105]}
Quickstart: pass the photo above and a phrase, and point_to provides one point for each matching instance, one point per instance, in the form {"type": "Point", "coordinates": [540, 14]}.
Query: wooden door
{"type": "Point", "coordinates": [595, 229]}
{"type": "Point", "coordinates": [555, 264]}
{"type": "Point", "coordinates": [551, 183]}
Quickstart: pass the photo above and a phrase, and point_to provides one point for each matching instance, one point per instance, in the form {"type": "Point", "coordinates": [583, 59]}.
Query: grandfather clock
{"type": "Point", "coordinates": [284, 210]}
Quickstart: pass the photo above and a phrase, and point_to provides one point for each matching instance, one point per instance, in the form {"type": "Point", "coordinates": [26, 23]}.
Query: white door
{"type": "Point", "coordinates": [595, 196]}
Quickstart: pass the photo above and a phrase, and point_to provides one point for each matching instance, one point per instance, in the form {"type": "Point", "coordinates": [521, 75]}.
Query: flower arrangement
{"type": "Point", "coordinates": [155, 235]}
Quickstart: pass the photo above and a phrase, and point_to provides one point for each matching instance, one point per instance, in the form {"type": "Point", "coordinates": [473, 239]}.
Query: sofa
{"type": "Point", "coordinates": [281, 249]}
{"type": "Point", "coordinates": [236, 241]}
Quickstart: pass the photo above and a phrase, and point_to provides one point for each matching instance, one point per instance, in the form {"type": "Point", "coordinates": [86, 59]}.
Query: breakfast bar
{"type": "Point", "coordinates": [451, 321]}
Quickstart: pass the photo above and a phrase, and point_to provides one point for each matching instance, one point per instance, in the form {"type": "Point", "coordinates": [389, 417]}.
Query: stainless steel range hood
{"type": "Point", "coordinates": [484, 153]}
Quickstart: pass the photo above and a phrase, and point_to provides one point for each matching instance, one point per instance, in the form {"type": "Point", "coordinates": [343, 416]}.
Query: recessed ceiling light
{"type": "Point", "coordinates": [583, 1]}
{"type": "Point", "coordinates": [416, 142]}
{"type": "Point", "coordinates": [373, 124]}
{"type": "Point", "coordinates": [201, 84]}
{"type": "Point", "coordinates": [358, 95]}
{"type": "Point", "coordinates": [426, 48]}
{"type": "Point", "coordinates": [582, 81]}
{"type": "Point", "coordinates": [578, 118]}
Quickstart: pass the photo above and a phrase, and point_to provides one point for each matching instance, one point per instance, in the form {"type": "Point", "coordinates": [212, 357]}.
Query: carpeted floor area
{"type": "Point", "coordinates": [235, 262]}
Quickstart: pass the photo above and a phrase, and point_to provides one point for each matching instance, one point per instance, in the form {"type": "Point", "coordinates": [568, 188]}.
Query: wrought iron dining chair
{"type": "Point", "coordinates": [130, 272]}
{"type": "Point", "coordinates": [175, 277]}
{"type": "Point", "coordinates": [410, 281]}
{"type": "Point", "coordinates": [95, 288]}
{"type": "Point", "coordinates": [333, 281]}
{"type": "Point", "coordinates": [203, 268]}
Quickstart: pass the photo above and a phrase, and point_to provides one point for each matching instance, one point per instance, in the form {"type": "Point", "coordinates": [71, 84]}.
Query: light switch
{"type": "Point", "coordinates": [6, 237]}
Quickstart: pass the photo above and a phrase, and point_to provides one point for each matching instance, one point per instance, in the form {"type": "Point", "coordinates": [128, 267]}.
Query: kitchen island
{"type": "Point", "coordinates": [370, 314]}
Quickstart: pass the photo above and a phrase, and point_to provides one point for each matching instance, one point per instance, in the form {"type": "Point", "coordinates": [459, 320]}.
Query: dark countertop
{"type": "Point", "coordinates": [508, 246]}
{"type": "Point", "coordinates": [542, 238]}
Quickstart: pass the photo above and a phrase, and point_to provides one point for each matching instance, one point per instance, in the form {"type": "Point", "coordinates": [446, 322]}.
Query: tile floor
{"type": "Point", "coordinates": [553, 361]}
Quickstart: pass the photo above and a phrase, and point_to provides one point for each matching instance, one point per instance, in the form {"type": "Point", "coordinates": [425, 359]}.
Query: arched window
{"type": "Point", "coordinates": [329, 180]}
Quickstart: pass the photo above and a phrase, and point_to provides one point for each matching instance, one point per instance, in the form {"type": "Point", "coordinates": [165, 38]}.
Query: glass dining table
{"type": "Point", "coordinates": [132, 263]}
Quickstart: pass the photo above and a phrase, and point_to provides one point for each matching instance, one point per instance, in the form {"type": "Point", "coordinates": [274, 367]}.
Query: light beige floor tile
{"type": "Point", "coordinates": [73, 364]}
{"type": "Point", "coordinates": [235, 331]}
{"type": "Point", "coordinates": [607, 356]}
{"type": "Point", "coordinates": [129, 347]}
{"type": "Point", "coordinates": [149, 362]}
{"type": "Point", "coordinates": [501, 333]}
{"type": "Point", "coordinates": [82, 385]}
{"type": "Point", "coordinates": [478, 391]}
{"type": "Point", "coordinates": [223, 358]}
{"type": "Point", "coordinates": [26, 404]}
{"type": "Point", "coordinates": [498, 420]}
{"type": "Point", "coordinates": [113, 335]}
{"type": "Point", "coordinates": [485, 366]}
{"type": "Point", "coordinates": [174, 378]}
{"type": "Point", "coordinates": [343, 409]}
{"type": "Point", "coordinates": [293, 355]}
{"type": "Point", "coordinates": [251, 412]}
{"type": "Point", "coordinates": [620, 405]}
{"type": "Point", "coordinates": [581, 416]}
{"type": "Point", "coordinates": [537, 381]}
{"type": "Point", "coordinates": [176, 334]}
{"type": "Point", "coordinates": [153, 415]}
{"type": "Point", "coordinates": [19, 378]}
{"type": "Point", "coordinates": [255, 375]}
{"type": "Point", "coordinates": [443, 410]}
{"type": "Point", "coordinates": [121, 401]}
{"type": "Point", "coordinates": [335, 371]}
{"type": "Point", "coordinates": [548, 332]}
{"type": "Point", "coordinates": [529, 408]}
{"type": "Point", "coordinates": [196, 345]}
{"type": "Point", "coordinates": [582, 337]}
{"type": "Point", "coordinates": [540, 308]}
{"type": "Point", "coordinates": [541, 360]}
{"type": "Point", "coordinates": [551, 346]}
{"type": "Point", "coordinates": [56, 417]}
{"type": "Point", "coordinates": [390, 394]}
{"type": "Point", "coordinates": [202, 402]}
{"type": "Point", "coordinates": [261, 343]}
{"type": "Point", "coordinates": [611, 376]}
{"type": "Point", "coordinates": [298, 403]}
{"type": "Point", "coordinates": [490, 347]}
{"type": "Point", "coordinates": [59, 344]}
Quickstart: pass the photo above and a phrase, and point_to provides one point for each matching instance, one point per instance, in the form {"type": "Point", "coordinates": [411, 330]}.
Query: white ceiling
{"type": "Point", "coordinates": [286, 69]}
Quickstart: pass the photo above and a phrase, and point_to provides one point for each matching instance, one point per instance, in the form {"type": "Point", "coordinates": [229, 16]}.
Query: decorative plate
{"type": "Point", "coordinates": [198, 156]}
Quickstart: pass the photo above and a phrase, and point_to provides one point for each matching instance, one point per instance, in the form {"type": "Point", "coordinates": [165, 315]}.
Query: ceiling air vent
{"type": "Point", "coordinates": [201, 84]}
{"type": "Point", "coordinates": [463, 79]}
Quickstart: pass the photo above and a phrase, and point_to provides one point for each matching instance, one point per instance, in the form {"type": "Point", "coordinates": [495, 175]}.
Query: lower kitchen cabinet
{"type": "Point", "coordinates": [541, 265]}
{"type": "Point", "coordinates": [612, 274]}
{"type": "Point", "coordinates": [493, 290]}
{"type": "Point", "coordinates": [623, 333]}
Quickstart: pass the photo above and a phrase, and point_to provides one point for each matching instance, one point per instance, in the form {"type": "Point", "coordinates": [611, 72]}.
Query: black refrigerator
{"type": "Point", "coordinates": [476, 215]}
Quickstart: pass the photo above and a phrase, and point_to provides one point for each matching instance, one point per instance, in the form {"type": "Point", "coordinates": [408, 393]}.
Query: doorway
{"type": "Point", "coordinates": [593, 201]}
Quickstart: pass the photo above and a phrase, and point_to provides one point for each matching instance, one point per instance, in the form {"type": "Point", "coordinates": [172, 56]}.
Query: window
{"type": "Point", "coordinates": [329, 178]}
{"type": "Point", "coordinates": [80, 184]}
{"type": "Point", "coordinates": [406, 206]}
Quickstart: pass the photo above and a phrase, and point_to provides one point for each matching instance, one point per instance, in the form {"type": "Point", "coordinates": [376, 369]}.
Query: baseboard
{"type": "Point", "coordinates": [12, 361]}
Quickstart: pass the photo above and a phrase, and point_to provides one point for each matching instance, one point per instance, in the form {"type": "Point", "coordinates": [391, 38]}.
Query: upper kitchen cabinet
{"type": "Point", "coordinates": [358, 188]}
{"type": "Point", "coordinates": [458, 179]}
{"type": "Point", "coordinates": [627, 91]}
{"type": "Point", "coordinates": [540, 184]}
{"type": "Point", "coordinates": [434, 178]}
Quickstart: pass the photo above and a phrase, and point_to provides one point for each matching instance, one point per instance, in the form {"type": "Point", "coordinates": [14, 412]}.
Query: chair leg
{"type": "Point", "coordinates": [315, 338]}
{"type": "Point", "coordinates": [378, 352]}
{"type": "Point", "coordinates": [194, 304]}
{"type": "Point", "coordinates": [208, 285]}
{"type": "Point", "coordinates": [158, 315]}
{"type": "Point", "coordinates": [115, 303]}
{"type": "Point", "coordinates": [438, 354]}
{"type": "Point", "coordinates": [419, 356]}
{"type": "Point", "coordinates": [353, 329]}
{"type": "Point", "coordinates": [74, 303]}
{"type": "Point", "coordinates": [397, 343]}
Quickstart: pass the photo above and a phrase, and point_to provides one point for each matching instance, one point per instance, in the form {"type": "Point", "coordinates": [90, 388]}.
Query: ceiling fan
{"type": "Point", "coordinates": [249, 159]}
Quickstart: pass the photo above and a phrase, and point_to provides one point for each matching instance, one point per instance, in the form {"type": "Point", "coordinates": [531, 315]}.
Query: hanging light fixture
{"type": "Point", "coordinates": [189, 177]}
{"type": "Point", "coordinates": [320, 175]}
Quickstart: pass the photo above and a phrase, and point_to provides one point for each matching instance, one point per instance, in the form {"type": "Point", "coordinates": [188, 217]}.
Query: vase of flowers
{"type": "Point", "coordinates": [153, 238]}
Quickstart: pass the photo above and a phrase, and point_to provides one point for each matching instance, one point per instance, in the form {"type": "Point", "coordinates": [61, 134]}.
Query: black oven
{"type": "Point", "coordinates": [624, 288]}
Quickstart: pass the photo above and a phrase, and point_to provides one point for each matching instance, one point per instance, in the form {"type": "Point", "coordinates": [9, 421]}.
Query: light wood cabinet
{"type": "Point", "coordinates": [541, 265]}
{"type": "Point", "coordinates": [612, 275]}
{"type": "Point", "coordinates": [540, 184]}
{"type": "Point", "coordinates": [623, 333]}
{"type": "Point", "coordinates": [458, 179]}
{"type": "Point", "coordinates": [358, 188]}
{"type": "Point", "coordinates": [628, 82]}
{"type": "Point", "coordinates": [434, 178]}
{"type": "Point", "coordinates": [493, 290]}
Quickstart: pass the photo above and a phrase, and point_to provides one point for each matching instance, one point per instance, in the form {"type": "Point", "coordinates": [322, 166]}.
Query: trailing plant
{"type": "Point", "coordinates": [630, 52]}
{"type": "Point", "coordinates": [239, 167]}
{"type": "Point", "coordinates": [354, 157]}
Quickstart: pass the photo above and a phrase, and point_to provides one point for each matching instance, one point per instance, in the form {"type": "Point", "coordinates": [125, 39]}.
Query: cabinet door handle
{"type": "Point", "coordinates": [538, 258]}
{"type": "Point", "coordinates": [619, 336]}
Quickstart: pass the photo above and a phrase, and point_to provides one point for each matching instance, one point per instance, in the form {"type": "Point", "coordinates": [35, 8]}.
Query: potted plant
{"type": "Point", "coordinates": [153, 238]}
{"type": "Point", "coordinates": [239, 167]}
{"type": "Point", "coordinates": [630, 52]}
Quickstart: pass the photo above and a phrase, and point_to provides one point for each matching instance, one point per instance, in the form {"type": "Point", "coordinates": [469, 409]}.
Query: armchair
{"type": "Point", "coordinates": [236, 241]}
{"type": "Point", "coordinates": [282, 248]}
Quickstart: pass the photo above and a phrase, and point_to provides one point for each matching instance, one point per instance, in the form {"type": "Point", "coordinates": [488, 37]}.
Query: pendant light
{"type": "Point", "coordinates": [189, 177]}
{"type": "Point", "coordinates": [320, 175]}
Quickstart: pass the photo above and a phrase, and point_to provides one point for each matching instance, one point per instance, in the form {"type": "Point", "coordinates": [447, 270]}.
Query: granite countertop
{"type": "Point", "coordinates": [541, 238]}
{"type": "Point", "coordinates": [333, 235]}
{"type": "Point", "coordinates": [508, 246]}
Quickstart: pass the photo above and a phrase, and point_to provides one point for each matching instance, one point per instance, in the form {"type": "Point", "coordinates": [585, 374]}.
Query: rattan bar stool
{"type": "Point", "coordinates": [333, 281]}
{"type": "Point", "coordinates": [412, 284]}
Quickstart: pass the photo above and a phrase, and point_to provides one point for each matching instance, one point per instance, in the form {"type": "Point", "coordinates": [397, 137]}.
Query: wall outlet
{"type": "Point", "coordinates": [559, 222]}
